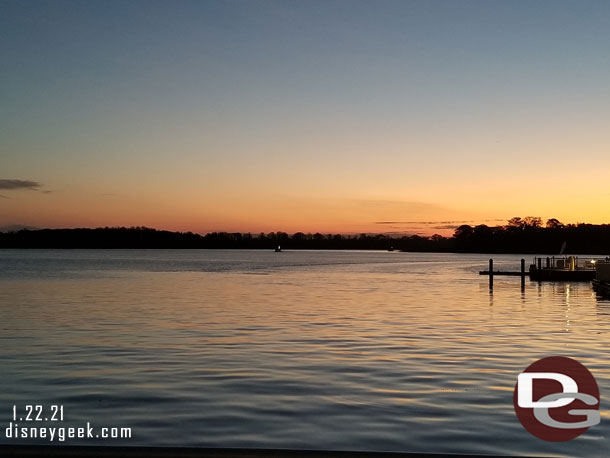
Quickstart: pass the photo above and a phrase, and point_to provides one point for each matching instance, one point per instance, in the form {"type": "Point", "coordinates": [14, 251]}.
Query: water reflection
{"type": "Point", "coordinates": [370, 351]}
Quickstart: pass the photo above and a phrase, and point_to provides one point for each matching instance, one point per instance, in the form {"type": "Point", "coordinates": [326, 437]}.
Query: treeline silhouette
{"type": "Point", "coordinates": [519, 235]}
{"type": "Point", "coordinates": [529, 235]}
{"type": "Point", "coordinates": [144, 237]}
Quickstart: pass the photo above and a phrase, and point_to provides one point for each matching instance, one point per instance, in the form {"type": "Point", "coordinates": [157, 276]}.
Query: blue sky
{"type": "Point", "coordinates": [281, 115]}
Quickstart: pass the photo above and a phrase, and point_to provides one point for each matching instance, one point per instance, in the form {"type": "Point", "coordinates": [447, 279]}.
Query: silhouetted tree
{"type": "Point", "coordinates": [516, 222]}
{"type": "Point", "coordinates": [554, 223]}
{"type": "Point", "coordinates": [532, 221]}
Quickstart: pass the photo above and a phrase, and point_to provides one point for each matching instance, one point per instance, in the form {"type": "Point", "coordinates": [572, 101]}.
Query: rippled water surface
{"type": "Point", "coordinates": [317, 350]}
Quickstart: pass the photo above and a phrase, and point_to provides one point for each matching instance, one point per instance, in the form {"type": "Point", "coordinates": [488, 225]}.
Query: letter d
{"type": "Point", "coordinates": [525, 394]}
{"type": "Point", "coordinates": [9, 431]}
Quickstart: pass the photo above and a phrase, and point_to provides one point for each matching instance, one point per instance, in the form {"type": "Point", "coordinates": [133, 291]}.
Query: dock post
{"type": "Point", "coordinates": [522, 274]}
{"type": "Point", "coordinates": [539, 263]}
{"type": "Point", "coordinates": [491, 273]}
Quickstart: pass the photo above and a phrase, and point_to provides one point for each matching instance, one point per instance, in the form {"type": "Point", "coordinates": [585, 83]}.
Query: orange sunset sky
{"type": "Point", "coordinates": [343, 117]}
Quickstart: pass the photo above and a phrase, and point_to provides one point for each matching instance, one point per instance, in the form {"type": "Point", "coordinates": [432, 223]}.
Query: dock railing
{"type": "Point", "coordinates": [557, 268]}
{"type": "Point", "coordinates": [569, 263]}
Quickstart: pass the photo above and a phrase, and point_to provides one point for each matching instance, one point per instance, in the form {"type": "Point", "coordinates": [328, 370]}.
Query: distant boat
{"type": "Point", "coordinates": [278, 249]}
{"type": "Point", "coordinates": [391, 248]}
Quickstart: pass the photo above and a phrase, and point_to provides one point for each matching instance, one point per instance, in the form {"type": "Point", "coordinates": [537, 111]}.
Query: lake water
{"type": "Point", "coordinates": [383, 351]}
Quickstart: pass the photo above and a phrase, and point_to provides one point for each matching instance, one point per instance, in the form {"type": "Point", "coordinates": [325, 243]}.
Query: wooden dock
{"type": "Point", "coordinates": [568, 268]}
{"type": "Point", "coordinates": [505, 273]}
{"type": "Point", "coordinates": [562, 275]}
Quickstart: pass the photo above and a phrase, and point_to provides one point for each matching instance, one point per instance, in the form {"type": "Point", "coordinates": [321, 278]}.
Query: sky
{"type": "Point", "coordinates": [314, 116]}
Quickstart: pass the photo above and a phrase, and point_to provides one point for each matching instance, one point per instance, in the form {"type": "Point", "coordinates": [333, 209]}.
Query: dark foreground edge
{"type": "Point", "coordinates": [29, 451]}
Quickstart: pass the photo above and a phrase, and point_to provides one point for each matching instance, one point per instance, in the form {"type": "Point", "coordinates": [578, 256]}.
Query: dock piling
{"type": "Point", "coordinates": [491, 273]}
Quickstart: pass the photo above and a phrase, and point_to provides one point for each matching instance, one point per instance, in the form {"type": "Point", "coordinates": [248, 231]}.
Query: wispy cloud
{"type": "Point", "coordinates": [445, 226]}
{"type": "Point", "coordinates": [449, 224]}
{"type": "Point", "coordinates": [20, 184]}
